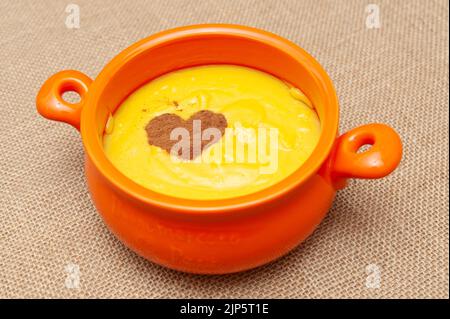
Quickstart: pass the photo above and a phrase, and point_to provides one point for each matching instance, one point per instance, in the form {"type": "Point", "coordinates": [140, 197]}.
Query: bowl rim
{"type": "Point", "coordinates": [94, 149]}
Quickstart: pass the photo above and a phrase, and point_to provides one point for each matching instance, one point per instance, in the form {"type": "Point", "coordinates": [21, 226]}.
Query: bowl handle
{"type": "Point", "coordinates": [50, 103]}
{"type": "Point", "coordinates": [379, 160]}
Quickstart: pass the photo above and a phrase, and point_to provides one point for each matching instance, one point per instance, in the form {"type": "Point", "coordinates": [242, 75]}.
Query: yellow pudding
{"type": "Point", "coordinates": [271, 129]}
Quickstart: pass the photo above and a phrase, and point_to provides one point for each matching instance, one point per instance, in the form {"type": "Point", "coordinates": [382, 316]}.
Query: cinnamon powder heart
{"type": "Point", "coordinates": [159, 129]}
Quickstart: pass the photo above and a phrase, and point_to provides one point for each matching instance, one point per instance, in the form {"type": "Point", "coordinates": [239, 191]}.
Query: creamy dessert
{"type": "Point", "coordinates": [212, 132]}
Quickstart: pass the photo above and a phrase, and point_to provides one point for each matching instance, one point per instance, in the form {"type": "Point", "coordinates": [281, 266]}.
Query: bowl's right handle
{"type": "Point", "coordinates": [379, 160]}
{"type": "Point", "coordinates": [49, 101]}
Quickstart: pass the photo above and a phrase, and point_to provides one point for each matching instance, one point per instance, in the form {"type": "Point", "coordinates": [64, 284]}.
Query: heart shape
{"type": "Point", "coordinates": [159, 129]}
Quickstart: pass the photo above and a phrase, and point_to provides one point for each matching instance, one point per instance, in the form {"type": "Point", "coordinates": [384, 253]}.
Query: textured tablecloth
{"type": "Point", "coordinates": [52, 239]}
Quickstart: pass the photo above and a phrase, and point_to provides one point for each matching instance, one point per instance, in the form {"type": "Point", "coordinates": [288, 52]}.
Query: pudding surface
{"type": "Point", "coordinates": [254, 104]}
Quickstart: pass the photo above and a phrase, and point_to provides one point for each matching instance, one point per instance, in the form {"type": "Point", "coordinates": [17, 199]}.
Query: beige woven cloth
{"type": "Point", "coordinates": [396, 74]}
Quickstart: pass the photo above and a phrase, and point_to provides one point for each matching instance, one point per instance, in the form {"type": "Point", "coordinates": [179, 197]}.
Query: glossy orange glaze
{"type": "Point", "coordinates": [225, 235]}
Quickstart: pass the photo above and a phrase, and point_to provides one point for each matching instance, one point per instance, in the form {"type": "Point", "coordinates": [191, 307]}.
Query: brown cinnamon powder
{"type": "Point", "coordinates": [159, 129]}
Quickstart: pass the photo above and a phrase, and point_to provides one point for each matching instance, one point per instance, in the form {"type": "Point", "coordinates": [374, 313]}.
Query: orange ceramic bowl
{"type": "Point", "coordinates": [216, 236]}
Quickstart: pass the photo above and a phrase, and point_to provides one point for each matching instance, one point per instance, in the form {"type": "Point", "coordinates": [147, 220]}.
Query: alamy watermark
{"type": "Point", "coordinates": [240, 145]}
{"type": "Point", "coordinates": [72, 280]}
{"type": "Point", "coordinates": [373, 20]}
{"type": "Point", "coordinates": [373, 279]}
{"type": "Point", "coordinates": [73, 16]}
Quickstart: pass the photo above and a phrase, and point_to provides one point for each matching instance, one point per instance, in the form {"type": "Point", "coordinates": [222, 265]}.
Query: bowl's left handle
{"type": "Point", "coordinates": [50, 102]}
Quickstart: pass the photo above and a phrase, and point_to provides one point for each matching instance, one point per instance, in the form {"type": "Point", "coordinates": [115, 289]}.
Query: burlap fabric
{"type": "Point", "coordinates": [397, 74]}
